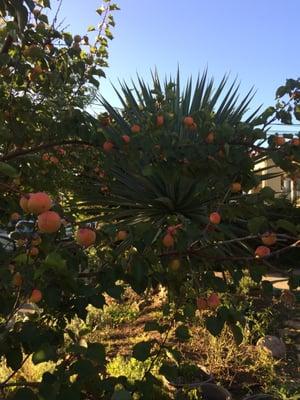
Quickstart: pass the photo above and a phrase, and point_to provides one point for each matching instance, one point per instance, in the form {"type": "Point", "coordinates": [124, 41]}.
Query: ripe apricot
{"type": "Point", "coordinates": [33, 251]}
{"type": "Point", "coordinates": [121, 235]}
{"type": "Point", "coordinates": [168, 240]}
{"type": "Point", "coordinates": [108, 146]}
{"type": "Point", "coordinates": [193, 127]}
{"type": "Point", "coordinates": [54, 160]}
{"type": "Point", "coordinates": [160, 120]}
{"type": "Point", "coordinates": [262, 251]}
{"type": "Point", "coordinates": [17, 279]}
{"type": "Point", "coordinates": [61, 151]}
{"type": "Point", "coordinates": [45, 157]}
{"type": "Point", "coordinates": [210, 138]}
{"type": "Point", "coordinates": [36, 296]}
{"type": "Point", "coordinates": [85, 237]}
{"type": "Point", "coordinates": [172, 229]}
{"type": "Point", "coordinates": [135, 128]}
{"type": "Point", "coordinates": [39, 202]}
{"type": "Point", "coordinates": [104, 189]}
{"type": "Point", "coordinates": [295, 141]}
{"type": "Point", "coordinates": [49, 222]}
{"type": "Point", "coordinates": [215, 218]}
{"type": "Point", "coordinates": [126, 139]}
{"type": "Point", "coordinates": [36, 240]}
{"type": "Point", "coordinates": [202, 303]}
{"type": "Point", "coordinates": [236, 187]}
{"type": "Point", "coordinates": [15, 216]}
{"type": "Point", "coordinates": [188, 121]}
{"type": "Point", "coordinates": [175, 264]}
{"type": "Point", "coordinates": [24, 203]}
{"type": "Point", "coordinates": [269, 238]}
{"type": "Point", "coordinates": [213, 300]}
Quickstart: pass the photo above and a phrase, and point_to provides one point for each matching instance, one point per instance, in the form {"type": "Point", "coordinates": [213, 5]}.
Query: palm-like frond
{"type": "Point", "coordinates": [170, 171]}
{"type": "Point", "coordinates": [194, 98]}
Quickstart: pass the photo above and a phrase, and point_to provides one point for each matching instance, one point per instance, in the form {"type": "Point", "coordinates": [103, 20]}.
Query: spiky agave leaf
{"type": "Point", "coordinates": [169, 173]}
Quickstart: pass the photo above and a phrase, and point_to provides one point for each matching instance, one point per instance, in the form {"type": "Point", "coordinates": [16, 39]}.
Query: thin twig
{"type": "Point", "coordinates": [44, 146]}
{"type": "Point", "coordinates": [5, 383]}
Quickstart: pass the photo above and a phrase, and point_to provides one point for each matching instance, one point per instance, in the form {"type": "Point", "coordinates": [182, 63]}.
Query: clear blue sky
{"type": "Point", "coordinates": [255, 40]}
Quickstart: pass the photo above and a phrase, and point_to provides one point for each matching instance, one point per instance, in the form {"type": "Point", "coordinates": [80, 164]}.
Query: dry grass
{"type": "Point", "coordinates": [120, 325]}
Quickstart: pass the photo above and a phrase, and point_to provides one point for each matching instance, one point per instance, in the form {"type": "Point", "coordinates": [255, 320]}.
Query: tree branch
{"type": "Point", "coordinates": [44, 146]}
{"type": "Point", "coordinates": [7, 44]}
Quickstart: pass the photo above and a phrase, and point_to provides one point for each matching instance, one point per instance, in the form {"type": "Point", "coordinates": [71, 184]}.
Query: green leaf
{"type": "Point", "coordinates": [84, 368]}
{"type": "Point", "coordinates": [267, 193]}
{"type": "Point", "coordinates": [22, 17]}
{"type": "Point", "coordinates": [294, 282]}
{"type": "Point", "coordinates": [139, 277]}
{"type": "Point", "coordinates": [287, 226]}
{"type": "Point", "coordinates": [14, 358]}
{"type": "Point", "coordinates": [43, 18]}
{"type": "Point", "coordinates": [256, 272]}
{"type": "Point", "coordinates": [237, 333]}
{"type": "Point", "coordinates": [182, 333]}
{"type": "Point", "coordinates": [141, 351]}
{"type": "Point", "coordinates": [4, 59]}
{"type": "Point", "coordinates": [69, 393]}
{"type": "Point", "coordinates": [189, 310]}
{"type": "Point", "coordinates": [115, 291]}
{"type": "Point", "coordinates": [31, 5]}
{"type": "Point", "coordinates": [100, 10]}
{"type": "Point", "coordinates": [45, 353]}
{"type": "Point", "coordinates": [97, 301]}
{"type": "Point", "coordinates": [218, 284]}
{"type": "Point", "coordinates": [169, 371]}
{"type": "Point", "coordinates": [281, 91]}
{"type": "Point", "coordinates": [297, 112]}
{"type": "Point", "coordinates": [96, 353]}
{"type": "Point", "coordinates": [121, 394]}
{"type": "Point", "coordinates": [267, 287]}
{"type": "Point", "coordinates": [256, 224]}
{"type": "Point", "coordinates": [91, 28]}
{"type": "Point", "coordinates": [24, 394]}
{"type": "Point", "coordinates": [55, 261]}
{"type": "Point", "coordinates": [214, 325]}
{"type": "Point", "coordinates": [68, 38]}
{"type": "Point", "coordinates": [8, 170]}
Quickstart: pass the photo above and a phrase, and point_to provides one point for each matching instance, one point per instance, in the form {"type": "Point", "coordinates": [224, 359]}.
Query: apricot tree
{"type": "Point", "coordinates": [165, 191]}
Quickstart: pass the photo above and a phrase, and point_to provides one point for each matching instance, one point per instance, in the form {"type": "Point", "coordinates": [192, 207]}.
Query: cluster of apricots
{"type": "Point", "coordinates": [168, 240]}
{"type": "Point", "coordinates": [53, 159]}
{"type": "Point", "coordinates": [49, 222]}
{"type": "Point", "coordinates": [268, 239]}
{"type": "Point", "coordinates": [211, 302]}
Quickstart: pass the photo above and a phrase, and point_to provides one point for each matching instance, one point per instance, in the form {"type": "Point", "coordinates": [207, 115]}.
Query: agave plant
{"type": "Point", "coordinates": [174, 158]}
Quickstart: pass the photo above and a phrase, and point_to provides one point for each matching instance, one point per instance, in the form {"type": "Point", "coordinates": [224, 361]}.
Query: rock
{"type": "Point", "coordinates": [272, 344]}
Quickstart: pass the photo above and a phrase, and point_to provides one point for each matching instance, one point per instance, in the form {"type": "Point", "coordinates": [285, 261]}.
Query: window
{"type": "Point", "coordinates": [286, 187]}
{"type": "Point", "coordinates": [297, 189]}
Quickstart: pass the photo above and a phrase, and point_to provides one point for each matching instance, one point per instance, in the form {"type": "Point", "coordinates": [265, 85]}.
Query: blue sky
{"type": "Point", "coordinates": [255, 40]}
